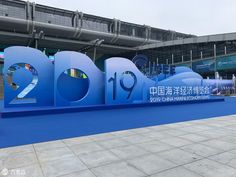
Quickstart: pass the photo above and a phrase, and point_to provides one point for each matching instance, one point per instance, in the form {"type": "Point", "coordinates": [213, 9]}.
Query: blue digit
{"type": "Point", "coordinates": [19, 70]}
{"type": "Point", "coordinates": [128, 81]}
{"type": "Point", "coordinates": [32, 86]}
{"type": "Point", "coordinates": [114, 80]}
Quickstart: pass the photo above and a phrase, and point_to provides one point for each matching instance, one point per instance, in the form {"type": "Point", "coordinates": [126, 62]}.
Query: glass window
{"type": "Point", "coordinates": [12, 11]}
{"type": "Point", "coordinates": [96, 26]}
{"type": "Point", "coordinates": [57, 19]}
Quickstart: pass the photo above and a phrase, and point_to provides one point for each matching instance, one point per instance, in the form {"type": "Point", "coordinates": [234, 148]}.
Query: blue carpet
{"type": "Point", "coordinates": [33, 129]}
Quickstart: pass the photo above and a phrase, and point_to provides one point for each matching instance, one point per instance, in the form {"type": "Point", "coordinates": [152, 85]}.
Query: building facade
{"type": "Point", "coordinates": [51, 30]}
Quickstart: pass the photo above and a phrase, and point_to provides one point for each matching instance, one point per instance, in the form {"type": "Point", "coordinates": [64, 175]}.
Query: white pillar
{"type": "Point", "coordinates": [94, 54]}
{"type": "Point", "coordinates": [215, 57]}
{"type": "Point", "coordinates": [149, 68]}
{"type": "Point", "coordinates": [191, 58]}
{"type": "Point", "coordinates": [214, 50]}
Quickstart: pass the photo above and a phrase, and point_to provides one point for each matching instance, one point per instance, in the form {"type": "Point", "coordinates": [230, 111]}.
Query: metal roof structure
{"type": "Point", "coordinates": [185, 50]}
{"type": "Point", "coordinates": [29, 24]}
{"type": "Point", "coordinates": [40, 26]}
{"type": "Point", "coordinates": [192, 40]}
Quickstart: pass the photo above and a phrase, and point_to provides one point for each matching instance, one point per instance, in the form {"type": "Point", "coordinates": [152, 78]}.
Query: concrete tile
{"type": "Point", "coordinates": [180, 124]}
{"type": "Point", "coordinates": [225, 157]}
{"type": "Point", "coordinates": [230, 119]}
{"type": "Point", "coordinates": [158, 128]}
{"type": "Point", "coordinates": [204, 127]}
{"type": "Point", "coordinates": [62, 166]}
{"type": "Point", "coordinates": [228, 158]}
{"type": "Point", "coordinates": [199, 121]}
{"type": "Point", "coordinates": [140, 130]}
{"type": "Point", "coordinates": [187, 123]}
{"type": "Point", "coordinates": [175, 141]}
{"type": "Point", "coordinates": [230, 139]}
{"type": "Point", "coordinates": [86, 148]}
{"type": "Point", "coordinates": [137, 139]}
{"type": "Point", "coordinates": [212, 133]}
{"type": "Point", "coordinates": [222, 122]}
{"type": "Point", "coordinates": [174, 125]}
{"type": "Point", "coordinates": [121, 169]}
{"type": "Point", "coordinates": [176, 144]}
{"type": "Point", "coordinates": [5, 152]}
{"type": "Point", "coordinates": [49, 145]}
{"type": "Point", "coordinates": [126, 152]}
{"type": "Point", "coordinates": [201, 150]}
{"type": "Point", "coordinates": [176, 172]}
{"type": "Point", "coordinates": [230, 126]}
{"type": "Point", "coordinates": [98, 158]}
{"type": "Point", "coordinates": [209, 168]}
{"type": "Point", "coordinates": [2, 166]}
{"type": "Point", "coordinates": [233, 151]}
{"type": "Point", "coordinates": [229, 131]}
{"type": "Point", "coordinates": [232, 163]}
{"type": "Point", "coordinates": [158, 135]}
{"type": "Point", "coordinates": [175, 132]}
{"type": "Point", "coordinates": [113, 143]}
{"type": "Point", "coordinates": [151, 164]}
{"type": "Point", "coordinates": [54, 154]}
{"type": "Point", "coordinates": [123, 133]}
{"type": "Point", "coordinates": [102, 136]}
{"type": "Point", "coordinates": [155, 146]}
{"type": "Point", "coordinates": [78, 140]}
{"type": "Point", "coordinates": [219, 124]}
{"type": "Point", "coordinates": [84, 173]}
{"type": "Point", "coordinates": [27, 171]}
{"type": "Point", "coordinates": [179, 156]}
{"type": "Point", "coordinates": [192, 129]}
{"type": "Point", "coordinates": [18, 160]}
{"type": "Point", "coordinates": [193, 137]}
{"type": "Point", "coordinates": [225, 146]}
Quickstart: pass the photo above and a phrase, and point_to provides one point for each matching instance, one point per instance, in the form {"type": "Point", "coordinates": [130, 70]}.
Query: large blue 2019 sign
{"type": "Point", "coordinates": [31, 79]}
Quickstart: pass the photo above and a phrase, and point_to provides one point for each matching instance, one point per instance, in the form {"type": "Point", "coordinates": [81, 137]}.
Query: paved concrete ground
{"type": "Point", "coordinates": [188, 149]}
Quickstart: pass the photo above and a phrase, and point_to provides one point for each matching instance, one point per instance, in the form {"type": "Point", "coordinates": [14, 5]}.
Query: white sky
{"type": "Point", "coordinates": [199, 17]}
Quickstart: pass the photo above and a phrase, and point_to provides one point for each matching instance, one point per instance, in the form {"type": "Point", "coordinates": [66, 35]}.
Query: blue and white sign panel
{"type": "Point", "coordinates": [31, 79]}
{"type": "Point", "coordinates": [178, 93]}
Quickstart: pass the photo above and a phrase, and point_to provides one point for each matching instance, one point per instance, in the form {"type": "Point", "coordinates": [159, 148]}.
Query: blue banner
{"type": "Point", "coordinates": [203, 66]}
{"type": "Point", "coordinates": [228, 62]}
{"type": "Point", "coordinates": [184, 64]}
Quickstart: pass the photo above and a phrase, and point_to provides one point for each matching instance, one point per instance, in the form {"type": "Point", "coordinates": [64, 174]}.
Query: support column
{"type": "Point", "coordinates": [172, 58]}
{"type": "Point", "coordinates": [191, 58]}
{"type": "Point", "coordinates": [94, 54]}
{"type": "Point", "coordinates": [36, 43]}
{"type": "Point", "coordinates": [149, 68]}
{"type": "Point", "coordinates": [215, 57]}
{"type": "Point", "coordinates": [153, 67]}
{"type": "Point", "coordinates": [214, 50]}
